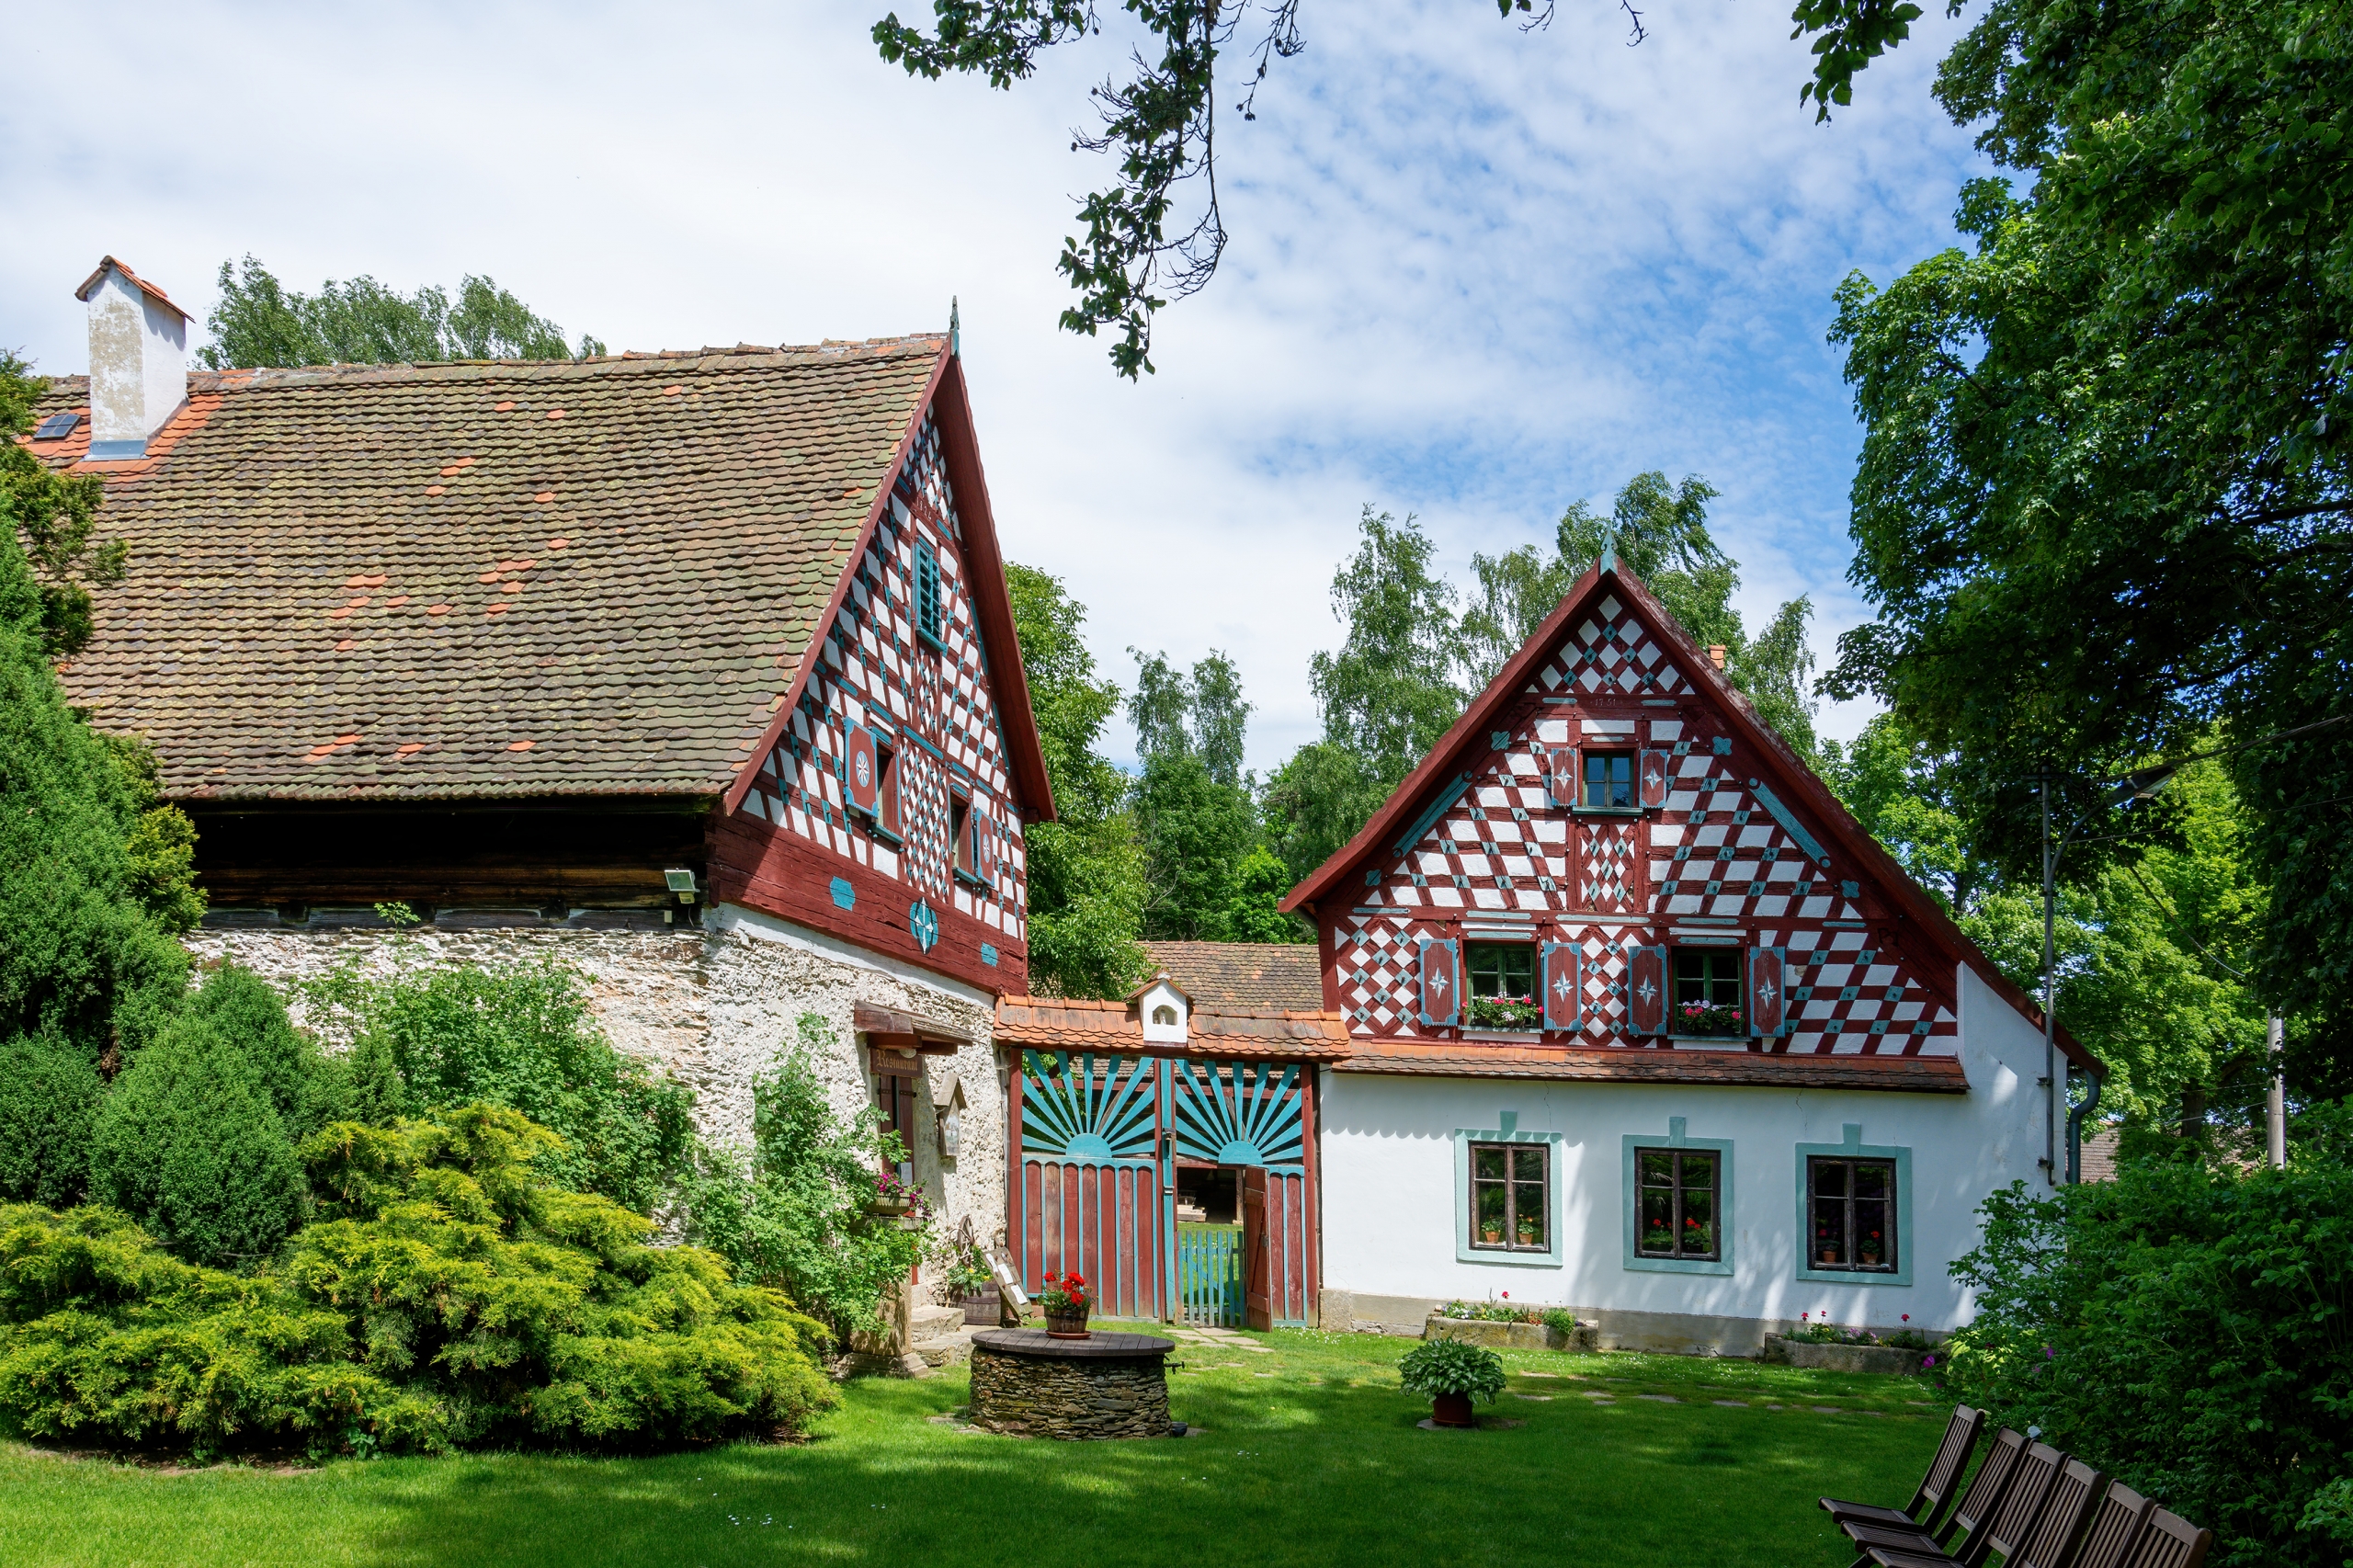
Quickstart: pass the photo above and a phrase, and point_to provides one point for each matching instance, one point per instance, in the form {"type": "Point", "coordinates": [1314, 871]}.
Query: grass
{"type": "Point", "coordinates": [1312, 1457]}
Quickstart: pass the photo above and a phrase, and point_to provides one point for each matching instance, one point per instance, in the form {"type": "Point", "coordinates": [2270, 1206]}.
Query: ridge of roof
{"type": "Point", "coordinates": [1912, 900]}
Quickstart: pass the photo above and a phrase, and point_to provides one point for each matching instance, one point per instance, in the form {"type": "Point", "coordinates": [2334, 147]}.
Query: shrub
{"type": "Point", "coordinates": [519, 1036]}
{"type": "Point", "coordinates": [447, 1296]}
{"type": "Point", "coordinates": [1449, 1366]}
{"type": "Point", "coordinates": [189, 1145]}
{"type": "Point", "coordinates": [2183, 1328]}
{"type": "Point", "coordinates": [794, 1214]}
{"type": "Point", "coordinates": [49, 1100]}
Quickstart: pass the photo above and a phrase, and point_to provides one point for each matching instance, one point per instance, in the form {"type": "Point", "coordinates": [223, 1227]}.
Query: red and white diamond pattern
{"type": "Point", "coordinates": [1714, 853]}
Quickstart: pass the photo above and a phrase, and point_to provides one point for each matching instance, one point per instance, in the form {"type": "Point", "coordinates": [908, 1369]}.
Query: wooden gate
{"type": "Point", "coordinates": [1209, 1274]}
{"type": "Point", "coordinates": [1096, 1142]}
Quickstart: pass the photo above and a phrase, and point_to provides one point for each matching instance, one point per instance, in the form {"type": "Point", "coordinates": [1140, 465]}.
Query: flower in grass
{"type": "Point", "coordinates": [1907, 1317]}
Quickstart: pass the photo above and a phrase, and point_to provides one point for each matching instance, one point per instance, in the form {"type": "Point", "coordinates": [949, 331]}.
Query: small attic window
{"type": "Point", "coordinates": [1164, 1014]}
{"type": "Point", "coordinates": [57, 426]}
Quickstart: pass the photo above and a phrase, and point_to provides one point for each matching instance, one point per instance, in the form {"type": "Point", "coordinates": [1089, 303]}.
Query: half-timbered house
{"type": "Point", "coordinates": [1641, 1023]}
{"type": "Point", "coordinates": [695, 671]}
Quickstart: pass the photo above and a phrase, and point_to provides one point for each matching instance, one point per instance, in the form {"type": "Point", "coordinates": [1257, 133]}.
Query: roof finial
{"type": "Point", "coordinates": [1608, 559]}
{"type": "Point", "coordinates": [955, 331]}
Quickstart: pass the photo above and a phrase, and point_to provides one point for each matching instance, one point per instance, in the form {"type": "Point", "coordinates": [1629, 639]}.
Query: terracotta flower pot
{"type": "Point", "coordinates": [1451, 1410]}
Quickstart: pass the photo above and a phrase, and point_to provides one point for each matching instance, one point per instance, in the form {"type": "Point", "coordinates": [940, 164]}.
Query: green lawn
{"type": "Point", "coordinates": [1312, 1457]}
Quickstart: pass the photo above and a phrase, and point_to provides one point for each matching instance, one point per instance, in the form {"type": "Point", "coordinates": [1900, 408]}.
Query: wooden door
{"type": "Point", "coordinates": [1257, 1280]}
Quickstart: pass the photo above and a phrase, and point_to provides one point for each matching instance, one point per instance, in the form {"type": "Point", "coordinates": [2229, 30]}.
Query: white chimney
{"type": "Point", "coordinates": [138, 359]}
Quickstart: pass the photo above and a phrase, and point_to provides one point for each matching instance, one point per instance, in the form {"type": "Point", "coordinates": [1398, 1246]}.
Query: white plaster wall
{"type": "Point", "coordinates": [714, 1007]}
{"type": "Point", "coordinates": [1390, 1196]}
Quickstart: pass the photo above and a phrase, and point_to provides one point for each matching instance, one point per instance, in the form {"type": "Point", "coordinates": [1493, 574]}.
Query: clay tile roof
{"type": "Point", "coordinates": [1450, 1059]}
{"type": "Point", "coordinates": [1053, 1023]}
{"type": "Point", "coordinates": [1270, 976]}
{"type": "Point", "coordinates": [90, 284]}
{"type": "Point", "coordinates": [502, 579]}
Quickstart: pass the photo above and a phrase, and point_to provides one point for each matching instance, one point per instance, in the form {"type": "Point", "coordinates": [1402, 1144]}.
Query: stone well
{"type": "Point", "coordinates": [1107, 1385]}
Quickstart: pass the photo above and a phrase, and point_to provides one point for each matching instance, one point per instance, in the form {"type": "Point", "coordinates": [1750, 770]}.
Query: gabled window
{"type": "Point", "coordinates": [927, 616]}
{"type": "Point", "coordinates": [1707, 993]}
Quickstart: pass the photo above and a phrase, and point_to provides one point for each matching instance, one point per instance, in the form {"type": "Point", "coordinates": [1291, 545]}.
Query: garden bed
{"type": "Point", "coordinates": [1824, 1357]}
{"type": "Point", "coordinates": [1512, 1336]}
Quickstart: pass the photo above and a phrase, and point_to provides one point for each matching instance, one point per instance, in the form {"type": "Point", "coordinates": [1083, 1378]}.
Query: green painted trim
{"type": "Point", "coordinates": [1628, 1189]}
{"type": "Point", "coordinates": [1854, 1148]}
{"type": "Point", "coordinates": [1508, 1133]}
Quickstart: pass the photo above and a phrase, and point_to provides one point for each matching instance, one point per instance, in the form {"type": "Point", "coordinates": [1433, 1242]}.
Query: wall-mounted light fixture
{"type": "Point", "coordinates": [682, 882]}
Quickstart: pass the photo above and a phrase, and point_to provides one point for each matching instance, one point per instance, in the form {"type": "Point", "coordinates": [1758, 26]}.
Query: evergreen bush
{"type": "Point", "coordinates": [48, 1102]}
{"type": "Point", "coordinates": [2184, 1328]}
{"type": "Point", "coordinates": [447, 1296]}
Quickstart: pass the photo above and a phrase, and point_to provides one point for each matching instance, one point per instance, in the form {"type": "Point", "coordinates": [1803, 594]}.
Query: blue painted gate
{"type": "Point", "coordinates": [1097, 1139]}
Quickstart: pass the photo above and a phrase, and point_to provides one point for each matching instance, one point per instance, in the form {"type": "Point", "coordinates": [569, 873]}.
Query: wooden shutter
{"type": "Point", "coordinates": [1767, 990]}
{"type": "Point", "coordinates": [1561, 778]}
{"type": "Point", "coordinates": [1655, 771]}
{"type": "Point", "coordinates": [1563, 982]}
{"type": "Point", "coordinates": [927, 592]}
{"type": "Point", "coordinates": [985, 842]}
{"type": "Point", "coordinates": [857, 758]}
{"type": "Point", "coordinates": [886, 798]}
{"type": "Point", "coordinates": [1646, 991]}
{"type": "Point", "coordinates": [1441, 982]}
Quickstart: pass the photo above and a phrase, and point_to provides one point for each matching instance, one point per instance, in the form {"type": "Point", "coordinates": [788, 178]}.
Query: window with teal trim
{"type": "Point", "coordinates": [1851, 1211]}
{"type": "Point", "coordinates": [1510, 1197]}
{"type": "Point", "coordinates": [1681, 1211]}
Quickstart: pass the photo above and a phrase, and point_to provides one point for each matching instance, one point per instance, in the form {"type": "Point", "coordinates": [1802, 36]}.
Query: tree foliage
{"type": "Point", "coordinates": [86, 965]}
{"type": "Point", "coordinates": [1086, 870]}
{"type": "Point", "coordinates": [2103, 504]}
{"type": "Point", "coordinates": [1160, 125]}
{"type": "Point", "coordinates": [1195, 808]}
{"type": "Point", "coordinates": [447, 1296]}
{"type": "Point", "coordinates": [259, 321]}
{"type": "Point", "coordinates": [53, 518]}
{"type": "Point", "coordinates": [2183, 1328]}
{"type": "Point", "coordinates": [794, 1213]}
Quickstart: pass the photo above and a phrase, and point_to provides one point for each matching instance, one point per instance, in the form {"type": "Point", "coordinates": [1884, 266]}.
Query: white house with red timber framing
{"type": "Point", "coordinates": [1758, 1073]}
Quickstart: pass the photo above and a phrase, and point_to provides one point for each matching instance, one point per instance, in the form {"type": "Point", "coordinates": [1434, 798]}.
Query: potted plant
{"type": "Point", "coordinates": [895, 1199]}
{"type": "Point", "coordinates": [1452, 1374]}
{"type": "Point", "coordinates": [1709, 1019]}
{"type": "Point", "coordinates": [972, 1286]}
{"type": "Point", "coordinates": [1066, 1302]}
{"type": "Point", "coordinates": [1506, 1013]}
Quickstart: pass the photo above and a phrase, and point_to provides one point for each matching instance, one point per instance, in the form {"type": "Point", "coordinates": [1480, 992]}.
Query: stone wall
{"type": "Point", "coordinates": [1078, 1398]}
{"type": "Point", "coordinates": [712, 1005]}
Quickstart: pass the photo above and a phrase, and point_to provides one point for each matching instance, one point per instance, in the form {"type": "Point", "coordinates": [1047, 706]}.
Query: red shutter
{"type": "Point", "coordinates": [1561, 777]}
{"type": "Point", "coordinates": [1563, 986]}
{"type": "Point", "coordinates": [857, 758]}
{"type": "Point", "coordinates": [1767, 990]}
{"type": "Point", "coordinates": [984, 850]}
{"type": "Point", "coordinates": [1441, 983]}
{"type": "Point", "coordinates": [887, 796]}
{"type": "Point", "coordinates": [1646, 991]}
{"type": "Point", "coordinates": [1656, 769]}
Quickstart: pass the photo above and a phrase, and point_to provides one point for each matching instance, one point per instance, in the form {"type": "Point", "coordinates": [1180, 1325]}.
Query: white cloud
{"type": "Point", "coordinates": [1476, 273]}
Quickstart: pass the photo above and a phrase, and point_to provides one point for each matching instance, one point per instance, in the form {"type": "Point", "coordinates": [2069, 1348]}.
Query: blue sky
{"type": "Point", "coordinates": [1476, 273]}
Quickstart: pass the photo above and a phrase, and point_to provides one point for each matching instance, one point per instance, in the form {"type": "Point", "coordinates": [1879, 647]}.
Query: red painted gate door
{"type": "Point", "coordinates": [1257, 1299]}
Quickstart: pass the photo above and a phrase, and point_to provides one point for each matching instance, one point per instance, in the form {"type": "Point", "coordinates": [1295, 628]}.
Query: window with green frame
{"type": "Point", "coordinates": [1609, 781]}
{"type": "Point", "coordinates": [1678, 1211]}
{"type": "Point", "coordinates": [1502, 979]}
{"type": "Point", "coordinates": [1707, 993]}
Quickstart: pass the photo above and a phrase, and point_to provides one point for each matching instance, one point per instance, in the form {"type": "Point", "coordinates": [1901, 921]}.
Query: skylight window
{"type": "Point", "coordinates": [57, 426]}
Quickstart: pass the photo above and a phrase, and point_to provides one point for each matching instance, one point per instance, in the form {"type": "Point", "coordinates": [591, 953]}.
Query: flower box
{"type": "Point", "coordinates": [1784, 1351]}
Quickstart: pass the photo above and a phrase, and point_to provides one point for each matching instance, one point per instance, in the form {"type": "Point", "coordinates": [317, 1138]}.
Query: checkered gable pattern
{"type": "Point", "coordinates": [933, 708]}
{"type": "Point", "coordinates": [1708, 855]}
{"type": "Point", "coordinates": [1611, 654]}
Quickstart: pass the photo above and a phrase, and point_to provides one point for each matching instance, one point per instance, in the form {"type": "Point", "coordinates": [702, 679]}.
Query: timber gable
{"type": "Point", "coordinates": [1608, 805]}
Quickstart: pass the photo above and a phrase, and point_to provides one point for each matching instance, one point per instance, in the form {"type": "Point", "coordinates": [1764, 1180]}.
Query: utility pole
{"type": "Point", "coordinates": [2274, 1100]}
{"type": "Point", "coordinates": [2050, 993]}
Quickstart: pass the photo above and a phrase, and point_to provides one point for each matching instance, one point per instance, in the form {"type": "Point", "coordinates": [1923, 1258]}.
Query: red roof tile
{"type": "Point", "coordinates": [1274, 976]}
{"type": "Point", "coordinates": [1450, 1059]}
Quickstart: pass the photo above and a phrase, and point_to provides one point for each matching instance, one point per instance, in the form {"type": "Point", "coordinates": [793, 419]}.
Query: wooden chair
{"type": "Point", "coordinates": [1945, 1471]}
{"type": "Point", "coordinates": [2168, 1540]}
{"type": "Point", "coordinates": [2013, 1523]}
{"type": "Point", "coordinates": [1970, 1515]}
{"type": "Point", "coordinates": [2114, 1527]}
{"type": "Point", "coordinates": [2062, 1518]}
